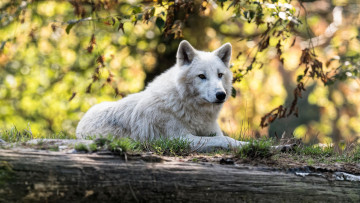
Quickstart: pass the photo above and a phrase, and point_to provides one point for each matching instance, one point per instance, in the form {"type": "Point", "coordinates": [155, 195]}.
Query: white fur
{"type": "Point", "coordinates": [177, 103]}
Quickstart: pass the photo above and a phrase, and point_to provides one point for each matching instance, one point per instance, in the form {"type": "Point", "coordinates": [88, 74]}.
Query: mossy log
{"type": "Point", "coordinates": [42, 176]}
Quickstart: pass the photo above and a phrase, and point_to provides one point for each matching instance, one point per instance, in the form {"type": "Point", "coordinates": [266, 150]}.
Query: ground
{"type": "Point", "coordinates": [260, 153]}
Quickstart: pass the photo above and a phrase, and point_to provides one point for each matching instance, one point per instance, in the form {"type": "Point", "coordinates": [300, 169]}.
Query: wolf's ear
{"type": "Point", "coordinates": [185, 53]}
{"type": "Point", "coordinates": [224, 53]}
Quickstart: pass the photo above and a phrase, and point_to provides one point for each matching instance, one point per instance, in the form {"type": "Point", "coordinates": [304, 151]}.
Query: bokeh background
{"type": "Point", "coordinates": [58, 58]}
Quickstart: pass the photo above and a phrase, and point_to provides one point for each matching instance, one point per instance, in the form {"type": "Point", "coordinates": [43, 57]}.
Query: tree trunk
{"type": "Point", "coordinates": [42, 176]}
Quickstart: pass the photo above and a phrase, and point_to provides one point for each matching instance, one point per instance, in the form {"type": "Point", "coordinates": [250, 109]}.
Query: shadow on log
{"type": "Point", "coordinates": [41, 176]}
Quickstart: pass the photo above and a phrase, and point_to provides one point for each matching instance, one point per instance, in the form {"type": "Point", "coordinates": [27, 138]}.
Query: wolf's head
{"type": "Point", "coordinates": [206, 76]}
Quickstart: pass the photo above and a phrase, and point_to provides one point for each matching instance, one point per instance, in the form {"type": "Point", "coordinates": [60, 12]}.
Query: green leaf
{"type": "Point", "coordinates": [134, 19]}
{"type": "Point", "coordinates": [251, 14]}
{"type": "Point", "coordinates": [299, 78]}
{"type": "Point", "coordinates": [249, 68]}
{"type": "Point", "coordinates": [68, 28]}
{"type": "Point", "coordinates": [233, 92]}
{"type": "Point", "coordinates": [160, 23]}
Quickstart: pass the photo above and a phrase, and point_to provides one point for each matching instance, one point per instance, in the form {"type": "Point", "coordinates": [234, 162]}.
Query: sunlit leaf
{"type": "Point", "coordinates": [136, 9]}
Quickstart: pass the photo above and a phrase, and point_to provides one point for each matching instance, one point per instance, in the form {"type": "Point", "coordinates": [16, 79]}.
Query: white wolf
{"type": "Point", "coordinates": [183, 101]}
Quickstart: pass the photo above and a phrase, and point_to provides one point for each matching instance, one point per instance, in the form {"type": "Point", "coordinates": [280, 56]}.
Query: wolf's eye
{"type": "Point", "coordinates": [202, 76]}
{"type": "Point", "coordinates": [220, 75]}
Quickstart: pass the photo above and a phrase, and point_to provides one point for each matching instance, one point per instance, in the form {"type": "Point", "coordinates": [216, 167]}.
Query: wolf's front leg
{"type": "Point", "coordinates": [207, 144]}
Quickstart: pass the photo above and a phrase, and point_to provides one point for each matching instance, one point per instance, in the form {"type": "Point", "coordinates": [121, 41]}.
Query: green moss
{"type": "Point", "coordinates": [54, 148]}
{"type": "Point", "coordinates": [6, 172]}
{"type": "Point", "coordinates": [86, 148]}
{"type": "Point", "coordinates": [196, 160]}
{"type": "Point", "coordinates": [310, 162]}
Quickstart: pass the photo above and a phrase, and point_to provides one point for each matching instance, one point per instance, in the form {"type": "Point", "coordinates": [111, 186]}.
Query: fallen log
{"type": "Point", "coordinates": [28, 175]}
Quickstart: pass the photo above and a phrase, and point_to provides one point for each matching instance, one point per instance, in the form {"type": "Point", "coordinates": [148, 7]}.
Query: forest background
{"type": "Point", "coordinates": [295, 63]}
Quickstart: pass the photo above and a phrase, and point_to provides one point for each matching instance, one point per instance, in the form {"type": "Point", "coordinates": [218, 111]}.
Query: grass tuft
{"type": "Point", "coordinates": [15, 135]}
{"type": "Point", "coordinates": [122, 145]}
{"type": "Point", "coordinates": [93, 147]}
{"type": "Point", "coordinates": [315, 151]}
{"type": "Point", "coordinates": [161, 146]}
{"type": "Point", "coordinates": [81, 147]}
{"type": "Point", "coordinates": [256, 149]}
{"type": "Point", "coordinates": [168, 147]}
{"type": "Point", "coordinates": [86, 148]}
{"type": "Point", "coordinates": [357, 153]}
{"type": "Point", "coordinates": [54, 148]}
{"type": "Point", "coordinates": [59, 135]}
{"type": "Point", "coordinates": [100, 142]}
{"type": "Point", "coordinates": [6, 173]}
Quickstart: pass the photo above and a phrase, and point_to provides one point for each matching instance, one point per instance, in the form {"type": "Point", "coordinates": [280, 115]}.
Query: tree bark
{"type": "Point", "coordinates": [42, 176]}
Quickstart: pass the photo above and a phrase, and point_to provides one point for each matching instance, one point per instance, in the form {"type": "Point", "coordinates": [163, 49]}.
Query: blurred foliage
{"type": "Point", "coordinates": [291, 59]}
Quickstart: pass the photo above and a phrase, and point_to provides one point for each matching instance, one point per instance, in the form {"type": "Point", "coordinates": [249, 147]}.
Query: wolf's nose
{"type": "Point", "coordinates": [220, 95]}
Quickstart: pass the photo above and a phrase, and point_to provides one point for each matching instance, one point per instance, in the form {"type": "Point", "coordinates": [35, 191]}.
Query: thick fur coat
{"type": "Point", "coordinates": [183, 101]}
